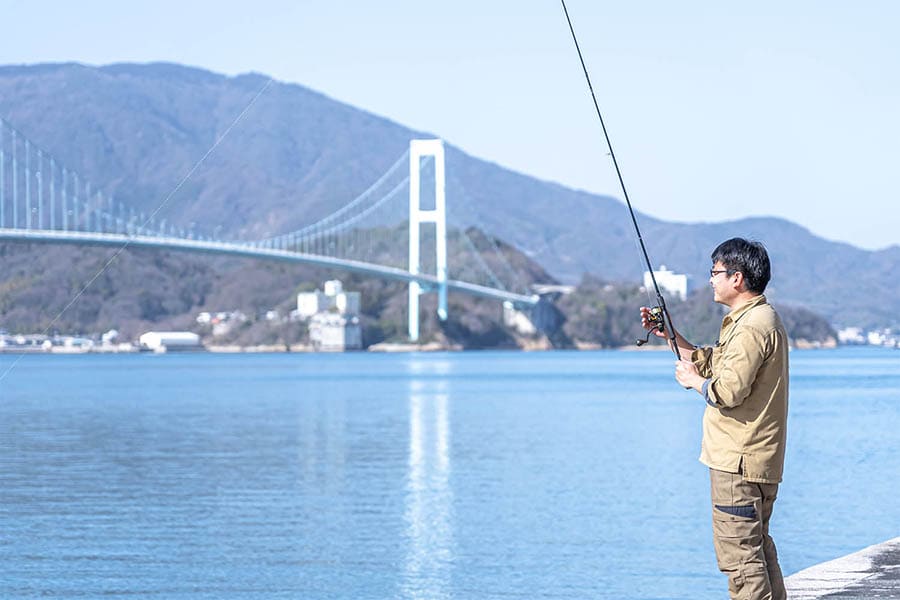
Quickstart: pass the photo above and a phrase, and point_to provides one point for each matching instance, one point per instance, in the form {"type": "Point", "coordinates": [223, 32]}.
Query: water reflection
{"type": "Point", "coordinates": [429, 496]}
{"type": "Point", "coordinates": [322, 444]}
{"type": "Point", "coordinates": [429, 366]}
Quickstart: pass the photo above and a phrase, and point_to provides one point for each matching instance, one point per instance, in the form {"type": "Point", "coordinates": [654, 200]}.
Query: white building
{"type": "Point", "coordinates": [851, 335]}
{"type": "Point", "coordinates": [162, 341]}
{"type": "Point", "coordinates": [883, 337]}
{"type": "Point", "coordinates": [517, 320]}
{"type": "Point", "coordinates": [310, 303]}
{"type": "Point", "coordinates": [875, 338]}
{"type": "Point", "coordinates": [332, 315]}
{"type": "Point", "coordinates": [673, 283]}
{"type": "Point", "coordinates": [333, 299]}
{"type": "Point", "coordinates": [335, 332]}
{"type": "Point", "coordinates": [221, 322]}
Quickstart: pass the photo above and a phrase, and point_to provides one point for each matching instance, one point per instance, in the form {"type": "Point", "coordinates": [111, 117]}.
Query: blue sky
{"type": "Point", "coordinates": [716, 110]}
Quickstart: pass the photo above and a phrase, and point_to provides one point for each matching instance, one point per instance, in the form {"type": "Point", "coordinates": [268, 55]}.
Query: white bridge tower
{"type": "Point", "coordinates": [419, 149]}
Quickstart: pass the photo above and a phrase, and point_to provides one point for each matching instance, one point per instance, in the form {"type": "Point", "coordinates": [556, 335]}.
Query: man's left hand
{"type": "Point", "coordinates": [688, 376]}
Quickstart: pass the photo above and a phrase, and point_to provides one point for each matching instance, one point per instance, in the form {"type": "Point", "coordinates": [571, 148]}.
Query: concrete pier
{"type": "Point", "coordinates": [873, 572]}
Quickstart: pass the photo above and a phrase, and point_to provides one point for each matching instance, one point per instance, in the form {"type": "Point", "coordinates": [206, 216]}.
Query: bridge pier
{"type": "Point", "coordinates": [417, 215]}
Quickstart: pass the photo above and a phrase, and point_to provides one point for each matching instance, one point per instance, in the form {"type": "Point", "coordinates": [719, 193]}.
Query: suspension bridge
{"type": "Point", "coordinates": [44, 201]}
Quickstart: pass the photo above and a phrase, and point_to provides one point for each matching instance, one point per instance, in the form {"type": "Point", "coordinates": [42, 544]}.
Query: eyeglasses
{"type": "Point", "coordinates": [713, 272]}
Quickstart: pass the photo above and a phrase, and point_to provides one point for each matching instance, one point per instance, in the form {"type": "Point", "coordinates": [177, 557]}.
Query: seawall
{"type": "Point", "coordinates": [873, 572]}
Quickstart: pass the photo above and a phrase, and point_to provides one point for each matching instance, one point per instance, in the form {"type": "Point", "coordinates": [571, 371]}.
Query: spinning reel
{"type": "Point", "coordinates": [655, 317]}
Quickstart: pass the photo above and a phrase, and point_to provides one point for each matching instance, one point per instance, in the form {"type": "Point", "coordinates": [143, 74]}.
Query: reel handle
{"type": "Point", "coordinates": [655, 317]}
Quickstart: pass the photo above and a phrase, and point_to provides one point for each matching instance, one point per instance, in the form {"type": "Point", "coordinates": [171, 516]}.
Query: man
{"type": "Point", "coordinates": [744, 380]}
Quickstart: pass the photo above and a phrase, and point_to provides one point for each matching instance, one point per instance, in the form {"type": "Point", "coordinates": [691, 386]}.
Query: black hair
{"type": "Point", "coordinates": [750, 258]}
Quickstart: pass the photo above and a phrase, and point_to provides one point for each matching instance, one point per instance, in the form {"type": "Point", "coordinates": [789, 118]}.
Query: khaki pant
{"type": "Point", "coordinates": [744, 549]}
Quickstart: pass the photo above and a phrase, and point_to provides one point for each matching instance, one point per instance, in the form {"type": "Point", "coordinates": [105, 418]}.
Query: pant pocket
{"type": "Point", "coordinates": [741, 521]}
{"type": "Point", "coordinates": [746, 511]}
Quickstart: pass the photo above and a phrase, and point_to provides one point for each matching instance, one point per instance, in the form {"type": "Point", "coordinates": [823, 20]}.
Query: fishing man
{"type": "Point", "coordinates": [744, 380]}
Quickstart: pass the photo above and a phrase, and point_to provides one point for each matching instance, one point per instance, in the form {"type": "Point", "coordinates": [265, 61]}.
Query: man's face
{"type": "Point", "coordinates": [722, 282]}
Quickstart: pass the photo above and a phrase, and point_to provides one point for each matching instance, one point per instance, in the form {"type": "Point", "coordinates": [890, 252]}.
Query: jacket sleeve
{"type": "Point", "coordinates": [737, 367]}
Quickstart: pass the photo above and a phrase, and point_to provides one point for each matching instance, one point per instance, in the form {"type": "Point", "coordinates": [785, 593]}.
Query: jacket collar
{"type": "Point", "coordinates": [740, 311]}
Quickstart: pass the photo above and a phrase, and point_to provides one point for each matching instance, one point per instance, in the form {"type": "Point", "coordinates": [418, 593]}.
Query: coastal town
{"type": "Point", "coordinates": [331, 318]}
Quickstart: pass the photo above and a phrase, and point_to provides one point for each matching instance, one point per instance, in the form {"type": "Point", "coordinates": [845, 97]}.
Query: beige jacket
{"type": "Point", "coordinates": [745, 423]}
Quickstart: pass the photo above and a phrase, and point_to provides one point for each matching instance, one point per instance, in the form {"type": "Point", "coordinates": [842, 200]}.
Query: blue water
{"type": "Point", "coordinates": [467, 475]}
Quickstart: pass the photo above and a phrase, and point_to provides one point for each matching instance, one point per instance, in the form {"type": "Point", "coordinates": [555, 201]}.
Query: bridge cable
{"type": "Point", "coordinates": [515, 278]}
{"type": "Point", "coordinates": [480, 260]}
{"type": "Point", "coordinates": [56, 167]}
{"type": "Point", "coordinates": [161, 205]}
{"type": "Point", "coordinates": [350, 205]}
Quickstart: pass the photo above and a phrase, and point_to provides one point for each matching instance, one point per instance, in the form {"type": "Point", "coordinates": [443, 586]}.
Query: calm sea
{"type": "Point", "coordinates": [466, 475]}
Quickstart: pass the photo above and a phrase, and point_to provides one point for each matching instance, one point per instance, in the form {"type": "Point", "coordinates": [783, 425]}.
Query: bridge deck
{"type": "Point", "coordinates": [248, 251]}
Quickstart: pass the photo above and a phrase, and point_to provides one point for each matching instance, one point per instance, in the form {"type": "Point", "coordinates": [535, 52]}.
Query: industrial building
{"type": "Point", "coordinates": [333, 332]}
{"type": "Point", "coordinates": [167, 341]}
{"type": "Point", "coordinates": [333, 298]}
{"type": "Point", "coordinates": [333, 317]}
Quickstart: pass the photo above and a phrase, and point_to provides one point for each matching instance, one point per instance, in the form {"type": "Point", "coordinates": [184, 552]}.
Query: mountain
{"type": "Point", "coordinates": [137, 130]}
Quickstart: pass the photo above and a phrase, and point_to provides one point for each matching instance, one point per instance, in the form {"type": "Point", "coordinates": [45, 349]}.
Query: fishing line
{"type": "Point", "coordinates": [152, 215]}
{"type": "Point", "coordinates": [637, 247]}
{"type": "Point", "coordinates": [666, 321]}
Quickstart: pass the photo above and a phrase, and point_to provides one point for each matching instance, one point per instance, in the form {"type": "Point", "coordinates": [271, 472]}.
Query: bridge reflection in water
{"type": "Point", "coordinates": [429, 495]}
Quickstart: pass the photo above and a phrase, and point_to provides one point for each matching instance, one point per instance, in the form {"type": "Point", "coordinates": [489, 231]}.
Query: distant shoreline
{"type": "Point", "coordinates": [385, 348]}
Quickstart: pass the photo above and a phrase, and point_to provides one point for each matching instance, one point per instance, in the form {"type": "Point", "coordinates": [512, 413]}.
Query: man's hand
{"type": "Point", "coordinates": [648, 325]}
{"type": "Point", "coordinates": [687, 375]}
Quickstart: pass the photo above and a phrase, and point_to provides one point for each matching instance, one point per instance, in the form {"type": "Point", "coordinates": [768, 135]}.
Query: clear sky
{"type": "Point", "coordinates": [716, 110]}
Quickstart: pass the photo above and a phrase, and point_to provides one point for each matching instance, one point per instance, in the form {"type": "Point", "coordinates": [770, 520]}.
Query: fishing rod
{"type": "Point", "coordinates": [659, 314]}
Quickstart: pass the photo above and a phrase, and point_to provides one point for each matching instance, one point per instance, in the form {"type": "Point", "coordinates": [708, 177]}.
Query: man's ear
{"type": "Point", "coordinates": [739, 281]}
